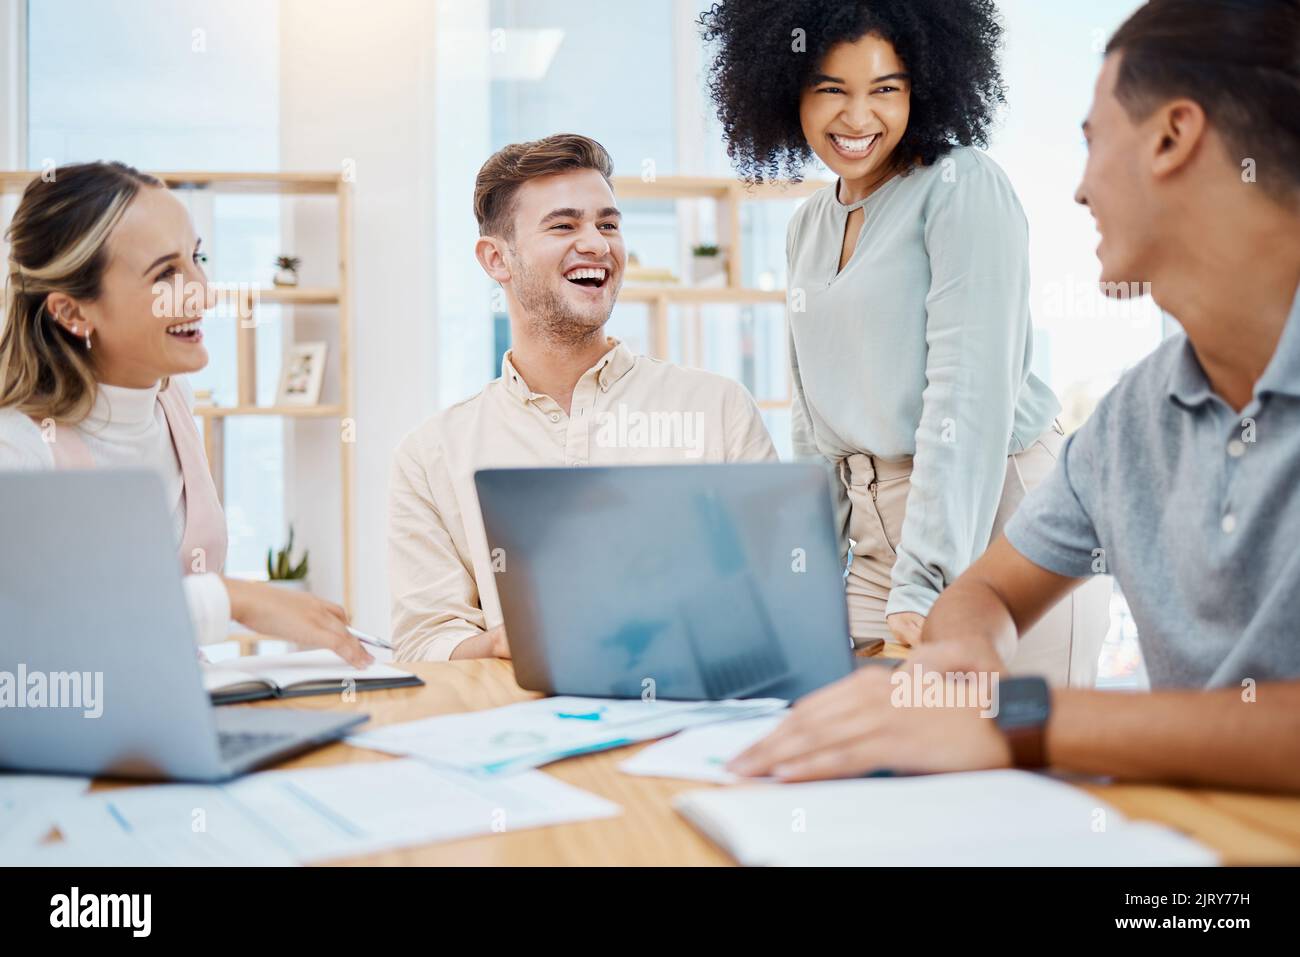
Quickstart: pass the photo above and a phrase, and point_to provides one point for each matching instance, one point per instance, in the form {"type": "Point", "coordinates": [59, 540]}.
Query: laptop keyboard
{"type": "Point", "coordinates": [236, 744]}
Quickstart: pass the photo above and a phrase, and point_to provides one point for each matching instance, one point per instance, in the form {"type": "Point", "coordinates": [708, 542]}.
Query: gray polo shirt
{"type": "Point", "coordinates": [1194, 508]}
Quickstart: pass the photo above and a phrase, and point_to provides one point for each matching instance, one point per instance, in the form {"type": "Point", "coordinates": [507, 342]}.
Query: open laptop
{"type": "Point", "coordinates": [92, 611]}
{"type": "Point", "coordinates": [681, 581]}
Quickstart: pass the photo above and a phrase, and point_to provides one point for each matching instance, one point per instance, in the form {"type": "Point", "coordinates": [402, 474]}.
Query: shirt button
{"type": "Point", "coordinates": [1229, 524]}
{"type": "Point", "coordinates": [555, 417]}
{"type": "Point", "coordinates": [1236, 448]}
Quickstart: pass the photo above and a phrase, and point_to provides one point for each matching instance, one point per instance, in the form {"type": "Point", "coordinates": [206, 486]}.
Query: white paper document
{"type": "Point", "coordinates": [174, 825]}
{"type": "Point", "coordinates": [701, 754]}
{"type": "Point", "coordinates": [315, 814]}
{"type": "Point", "coordinates": [26, 802]}
{"type": "Point", "coordinates": [979, 818]}
{"type": "Point", "coordinates": [108, 851]}
{"type": "Point", "coordinates": [353, 809]}
{"type": "Point", "coordinates": [532, 733]}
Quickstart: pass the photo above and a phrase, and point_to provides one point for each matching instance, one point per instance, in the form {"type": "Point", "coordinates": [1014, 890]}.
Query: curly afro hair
{"type": "Point", "coordinates": [762, 66]}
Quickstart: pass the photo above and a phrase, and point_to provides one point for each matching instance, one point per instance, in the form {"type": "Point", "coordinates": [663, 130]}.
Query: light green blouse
{"type": "Point", "coordinates": [920, 347]}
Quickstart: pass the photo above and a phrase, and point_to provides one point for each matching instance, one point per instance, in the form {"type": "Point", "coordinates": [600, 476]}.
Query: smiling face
{"type": "Point", "coordinates": [144, 325]}
{"type": "Point", "coordinates": [855, 109]}
{"type": "Point", "coordinates": [564, 265]}
{"type": "Point", "coordinates": [1115, 189]}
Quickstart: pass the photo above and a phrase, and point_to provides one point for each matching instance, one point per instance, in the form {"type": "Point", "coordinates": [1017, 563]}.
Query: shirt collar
{"type": "Point", "coordinates": [850, 207]}
{"type": "Point", "coordinates": [611, 367]}
{"type": "Point", "coordinates": [1188, 384]}
{"type": "Point", "coordinates": [120, 406]}
{"type": "Point", "coordinates": [1282, 375]}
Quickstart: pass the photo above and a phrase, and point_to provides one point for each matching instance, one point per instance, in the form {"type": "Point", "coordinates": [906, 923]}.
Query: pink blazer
{"type": "Point", "coordinates": [203, 544]}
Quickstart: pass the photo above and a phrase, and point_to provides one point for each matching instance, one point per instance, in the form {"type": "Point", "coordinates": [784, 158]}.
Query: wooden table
{"type": "Point", "coordinates": [1244, 828]}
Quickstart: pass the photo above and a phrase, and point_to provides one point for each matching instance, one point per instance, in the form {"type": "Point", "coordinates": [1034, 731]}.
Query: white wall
{"type": "Point", "coordinates": [461, 127]}
{"type": "Point", "coordinates": [356, 86]}
{"type": "Point", "coordinates": [13, 83]}
{"type": "Point", "coordinates": [13, 103]}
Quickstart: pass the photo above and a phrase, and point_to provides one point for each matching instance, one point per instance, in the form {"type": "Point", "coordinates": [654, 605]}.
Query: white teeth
{"type": "Point", "coordinates": [183, 328]}
{"type": "Point", "coordinates": [586, 273]}
{"type": "Point", "coordinates": [860, 145]}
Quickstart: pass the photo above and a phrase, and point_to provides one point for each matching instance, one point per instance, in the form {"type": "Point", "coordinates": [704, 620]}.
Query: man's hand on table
{"type": "Point", "coordinates": [857, 725]}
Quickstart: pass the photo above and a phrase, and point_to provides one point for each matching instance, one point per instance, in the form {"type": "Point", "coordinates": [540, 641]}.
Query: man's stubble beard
{"type": "Point", "coordinates": [550, 317]}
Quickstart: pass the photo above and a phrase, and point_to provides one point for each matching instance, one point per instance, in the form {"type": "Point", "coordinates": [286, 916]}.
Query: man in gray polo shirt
{"type": "Point", "coordinates": [1185, 482]}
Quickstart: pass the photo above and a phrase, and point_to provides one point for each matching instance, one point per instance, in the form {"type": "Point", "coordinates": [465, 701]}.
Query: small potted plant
{"type": "Point", "coordinates": [280, 569]}
{"type": "Point", "coordinates": [707, 265]}
{"type": "Point", "coordinates": [286, 273]}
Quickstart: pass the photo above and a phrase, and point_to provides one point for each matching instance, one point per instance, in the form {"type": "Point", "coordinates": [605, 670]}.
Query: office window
{"type": "Point", "coordinates": [182, 84]}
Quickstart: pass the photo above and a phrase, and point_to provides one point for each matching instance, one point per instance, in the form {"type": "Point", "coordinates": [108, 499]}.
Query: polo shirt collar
{"type": "Point", "coordinates": [1282, 376]}
{"type": "Point", "coordinates": [1187, 383]}
{"type": "Point", "coordinates": [1189, 386]}
{"type": "Point", "coordinates": [611, 367]}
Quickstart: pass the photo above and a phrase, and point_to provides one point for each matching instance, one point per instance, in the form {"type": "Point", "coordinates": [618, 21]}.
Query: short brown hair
{"type": "Point", "coordinates": [1239, 59]}
{"type": "Point", "coordinates": [509, 168]}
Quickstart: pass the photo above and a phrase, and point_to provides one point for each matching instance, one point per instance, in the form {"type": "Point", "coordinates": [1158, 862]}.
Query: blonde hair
{"type": "Point", "coordinates": [58, 243]}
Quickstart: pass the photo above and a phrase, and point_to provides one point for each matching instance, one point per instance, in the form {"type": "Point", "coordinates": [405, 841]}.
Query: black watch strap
{"type": "Point", "coordinates": [1024, 707]}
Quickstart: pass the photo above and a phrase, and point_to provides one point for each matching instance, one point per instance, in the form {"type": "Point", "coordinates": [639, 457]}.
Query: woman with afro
{"type": "Point", "coordinates": [908, 306]}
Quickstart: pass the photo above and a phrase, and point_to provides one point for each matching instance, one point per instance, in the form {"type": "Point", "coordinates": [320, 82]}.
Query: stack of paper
{"type": "Point", "coordinates": [532, 733]}
{"type": "Point", "coordinates": [287, 817]}
{"type": "Point", "coordinates": [982, 818]}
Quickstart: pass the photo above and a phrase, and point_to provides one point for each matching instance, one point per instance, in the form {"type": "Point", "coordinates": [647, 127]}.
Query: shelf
{"type": "Point", "coordinates": [710, 187]}
{"type": "Point", "coordinates": [275, 183]}
{"type": "Point", "coordinates": [281, 295]}
{"type": "Point", "coordinates": [304, 183]}
{"type": "Point", "coordinates": [284, 411]}
{"type": "Point", "coordinates": [323, 184]}
{"type": "Point", "coordinates": [700, 294]}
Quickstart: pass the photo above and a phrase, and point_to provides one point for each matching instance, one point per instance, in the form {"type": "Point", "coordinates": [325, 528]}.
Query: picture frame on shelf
{"type": "Point", "coordinates": [302, 373]}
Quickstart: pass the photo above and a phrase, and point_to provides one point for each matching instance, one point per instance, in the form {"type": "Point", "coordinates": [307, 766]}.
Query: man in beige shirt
{"type": "Point", "coordinates": [549, 233]}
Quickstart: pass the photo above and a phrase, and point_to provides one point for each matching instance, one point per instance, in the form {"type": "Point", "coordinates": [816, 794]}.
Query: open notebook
{"type": "Point", "coordinates": [295, 675]}
{"type": "Point", "coordinates": [978, 818]}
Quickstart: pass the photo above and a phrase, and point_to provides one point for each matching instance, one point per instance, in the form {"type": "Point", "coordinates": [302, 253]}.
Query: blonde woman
{"type": "Point", "coordinates": [91, 359]}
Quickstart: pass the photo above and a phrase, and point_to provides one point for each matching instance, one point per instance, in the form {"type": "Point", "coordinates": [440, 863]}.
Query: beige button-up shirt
{"type": "Point", "coordinates": [626, 410]}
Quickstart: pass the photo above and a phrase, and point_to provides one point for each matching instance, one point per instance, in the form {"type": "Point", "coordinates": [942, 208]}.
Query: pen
{"type": "Point", "coordinates": [365, 639]}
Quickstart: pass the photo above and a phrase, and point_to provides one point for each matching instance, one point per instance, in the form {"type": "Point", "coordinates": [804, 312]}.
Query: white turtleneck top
{"type": "Point", "coordinates": [127, 428]}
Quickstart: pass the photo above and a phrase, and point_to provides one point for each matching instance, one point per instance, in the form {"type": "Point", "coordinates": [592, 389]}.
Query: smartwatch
{"type": "Point", "coordinates": [1024, 705]}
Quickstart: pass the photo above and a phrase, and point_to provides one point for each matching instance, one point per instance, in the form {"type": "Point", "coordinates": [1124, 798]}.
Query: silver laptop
{"type": "Point", "coordinates": [99, 672]}
{"type": "Point", "coordinates": [689, 581]}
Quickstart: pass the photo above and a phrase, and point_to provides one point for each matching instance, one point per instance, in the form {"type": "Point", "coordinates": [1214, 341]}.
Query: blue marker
{"type": "Point", "coordinates": [587, 716]}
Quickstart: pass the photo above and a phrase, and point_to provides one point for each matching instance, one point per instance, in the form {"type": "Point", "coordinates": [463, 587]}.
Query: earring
{"type": "Point", "coordinates": [87, 328]}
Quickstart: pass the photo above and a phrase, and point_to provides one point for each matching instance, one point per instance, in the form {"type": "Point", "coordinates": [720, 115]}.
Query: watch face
{"type": "Point", "coordinates": [1023, 702]}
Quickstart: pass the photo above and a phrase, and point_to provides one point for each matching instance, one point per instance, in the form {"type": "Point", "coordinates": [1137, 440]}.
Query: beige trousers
{"type": "Point", "coordinates": [1063, 647]}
